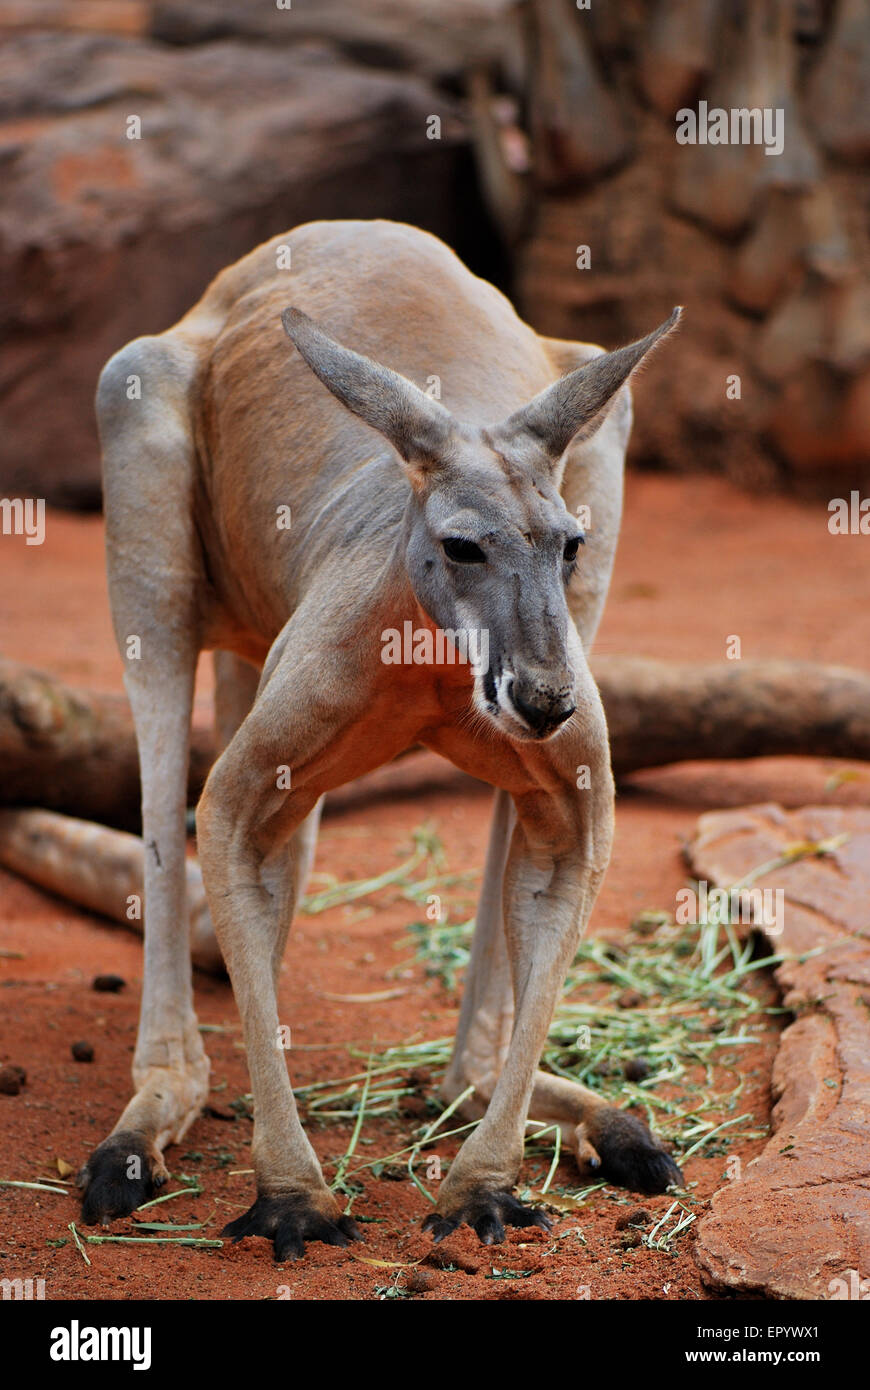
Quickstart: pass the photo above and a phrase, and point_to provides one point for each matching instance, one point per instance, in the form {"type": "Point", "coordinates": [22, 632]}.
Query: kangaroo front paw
{"type": "Point", "coordinates": [288, 1221]}
{"type": "Point", "coordinates": [487, 1213]}
{"type": "Point", "coordinates": [122, 1173]}
{"type": "Point", "coordinates": [628, 1154]}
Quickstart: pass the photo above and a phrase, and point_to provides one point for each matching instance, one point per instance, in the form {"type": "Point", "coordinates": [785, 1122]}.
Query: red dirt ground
{"type": "Point", "coordinates": [699, 562]}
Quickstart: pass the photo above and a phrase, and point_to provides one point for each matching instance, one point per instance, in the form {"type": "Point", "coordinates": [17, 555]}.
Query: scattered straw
{"type": "Point", "coordinates": [81, 1249]}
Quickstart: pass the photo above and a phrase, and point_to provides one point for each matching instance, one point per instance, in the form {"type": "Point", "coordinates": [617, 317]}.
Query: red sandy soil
{"type": "Point", "coordinates": [699, 562]}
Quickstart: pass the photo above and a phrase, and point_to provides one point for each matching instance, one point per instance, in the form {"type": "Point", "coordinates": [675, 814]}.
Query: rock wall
{"type": "Point", "coordinates": [769, 253]}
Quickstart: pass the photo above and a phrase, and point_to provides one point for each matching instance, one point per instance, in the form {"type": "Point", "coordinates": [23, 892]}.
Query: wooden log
{"type": "Point", "coordinates": [661, 712]}
{"type": "Point", "coordinates": [74, 750]}
{"type": "Point", "coordinates": [101, 870]}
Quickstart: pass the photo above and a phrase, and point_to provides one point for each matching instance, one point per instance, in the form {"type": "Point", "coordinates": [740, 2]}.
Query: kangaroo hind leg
{"type": "Point", "coordinates": [155, 590]}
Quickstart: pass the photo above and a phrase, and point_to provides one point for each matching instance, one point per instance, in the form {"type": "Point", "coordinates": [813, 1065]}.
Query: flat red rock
{"type": "Point", "coordinates": [796, 1223]}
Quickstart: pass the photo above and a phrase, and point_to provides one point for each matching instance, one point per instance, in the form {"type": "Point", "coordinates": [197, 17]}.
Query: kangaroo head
{"type": "Point", "coordinates": [490, 546]}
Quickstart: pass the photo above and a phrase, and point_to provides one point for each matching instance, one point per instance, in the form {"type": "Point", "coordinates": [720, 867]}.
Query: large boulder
{"type": "Point", "coordinates": [109, 230]}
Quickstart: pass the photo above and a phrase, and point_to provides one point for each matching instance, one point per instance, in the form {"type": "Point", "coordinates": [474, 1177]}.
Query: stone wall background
{"type": "Point", "coordinates": [557, 130]}
{"type": "Point", "coordinates": [769, 254]}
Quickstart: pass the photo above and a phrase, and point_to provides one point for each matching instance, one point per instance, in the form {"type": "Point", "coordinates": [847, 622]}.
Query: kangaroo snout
{"type": "Point", "coordinates": [539, 705]}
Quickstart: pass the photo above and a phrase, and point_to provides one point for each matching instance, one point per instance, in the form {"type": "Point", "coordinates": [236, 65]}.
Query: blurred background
{"type": "Point", "coordinates": [521, 133]}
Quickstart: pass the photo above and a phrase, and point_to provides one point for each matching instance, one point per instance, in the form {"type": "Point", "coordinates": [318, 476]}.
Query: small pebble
{"type": "Point", "coordinates": [217, 1113]}
{"type": "Point", "coordinates": [108, 984]}
{"type": "Point", "coordinates": [634, 1216]}
{"type": "Point", "coordinates": [10, 1080]}
{"type": "Point", "coordinates": [420, 1281]}
{"type": "Point", "coordinates": [82, 1052]}
{"type": "Point", "coordinates": [629, 999]}
{"type": "Point", "coordinates": [413, 1107]}
{"type": "Point", "coordinates": [636, 1069]}
{"type": "Point", "coordinates": [629, 1240]}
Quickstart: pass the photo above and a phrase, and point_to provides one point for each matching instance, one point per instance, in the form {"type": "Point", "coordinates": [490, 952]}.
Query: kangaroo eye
{"type": "Point", "coordinates": [463, 552]}
{"type": "Point", "coordinates": [570, 551]}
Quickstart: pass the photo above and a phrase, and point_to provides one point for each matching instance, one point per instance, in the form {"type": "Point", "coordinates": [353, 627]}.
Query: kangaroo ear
{"type": "Point", "coordinates": [420, 429]}
{"type": "Point", "coordinates": [577, 405]}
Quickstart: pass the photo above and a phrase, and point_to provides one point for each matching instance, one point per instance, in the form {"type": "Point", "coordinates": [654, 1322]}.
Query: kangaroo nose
{"type": "Point", "coordinates": [542, 714]}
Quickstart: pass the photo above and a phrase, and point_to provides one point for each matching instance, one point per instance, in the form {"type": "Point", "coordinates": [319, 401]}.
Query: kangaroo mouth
{"type": "Point", "coordinates": [494, 696]}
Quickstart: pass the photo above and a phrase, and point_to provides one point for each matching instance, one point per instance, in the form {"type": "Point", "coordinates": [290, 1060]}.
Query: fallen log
{"type": "Point", "coordinates": [101, 870]}
{"type": "Point", "coordinates": [75, 751]}
{"type": "Point", "coordinates": [660, 712]}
